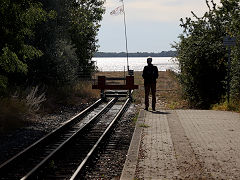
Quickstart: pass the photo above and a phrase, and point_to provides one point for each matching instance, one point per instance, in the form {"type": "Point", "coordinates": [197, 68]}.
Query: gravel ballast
{"type": "Point", "coordinates": [18, 139]}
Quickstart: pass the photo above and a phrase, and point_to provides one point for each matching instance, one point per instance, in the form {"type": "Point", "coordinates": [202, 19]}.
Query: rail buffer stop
{"type": "Point", "coordinates": [102, 85]}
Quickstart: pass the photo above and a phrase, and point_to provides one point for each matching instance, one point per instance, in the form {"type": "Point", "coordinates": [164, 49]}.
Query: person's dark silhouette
{"type": "Point", "coordinates": [150, 74]}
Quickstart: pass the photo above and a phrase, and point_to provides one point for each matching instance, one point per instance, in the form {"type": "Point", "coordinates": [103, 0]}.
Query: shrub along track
{"type": "Point", "coordinates": [54, 157]}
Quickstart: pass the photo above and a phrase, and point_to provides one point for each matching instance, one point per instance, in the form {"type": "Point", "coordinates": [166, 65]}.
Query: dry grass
{"type": "Point", "coordinates": [225, 106]}
{"type": "Point", "coordinates": [169, 94]}
{"type": "Point", "coordinates": [169, 91]}
{"type": "Point", "coordinates": [13, 112]}
{"type": "Point", "coordinates": [84, 89]}
{"type": "Point", "coordinates": [19, 107]}
{"type": "Point", "coordinates": [74, 95]}
{"type": "Point", "coordinates": [34, 99]}
{"type": "Point", "coordinates": [16, 110]}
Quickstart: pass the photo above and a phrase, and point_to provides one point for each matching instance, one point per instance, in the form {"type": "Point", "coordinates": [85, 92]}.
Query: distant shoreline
{"type": "Point", "coordinates": [137, 54]}
{"type": "Point", "coordinates": [134, 56]}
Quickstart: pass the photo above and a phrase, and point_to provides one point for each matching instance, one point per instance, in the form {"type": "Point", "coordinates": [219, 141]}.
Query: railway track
{"type": "Point", "coordinates": [64, 152]}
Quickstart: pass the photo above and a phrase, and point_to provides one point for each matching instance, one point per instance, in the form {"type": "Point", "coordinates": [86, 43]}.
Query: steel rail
{"type": "Point", "coordinates": [47, 137]}
{"type": "Point", "coordinates": [63, 144]}
{"type": "Point", "coordinates": [119, 114]}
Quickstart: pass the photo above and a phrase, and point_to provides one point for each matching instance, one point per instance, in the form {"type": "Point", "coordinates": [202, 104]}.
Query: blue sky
{"type": "Point", "coordinates": [152, 25]}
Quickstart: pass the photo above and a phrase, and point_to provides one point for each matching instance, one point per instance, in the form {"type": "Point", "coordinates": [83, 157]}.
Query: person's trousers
{"type": "Point", "coordinates": [152, 88]}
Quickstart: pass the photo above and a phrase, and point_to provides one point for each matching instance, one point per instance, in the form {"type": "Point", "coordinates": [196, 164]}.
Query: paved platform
{"type": "Point", "coordinates": [184, 144]}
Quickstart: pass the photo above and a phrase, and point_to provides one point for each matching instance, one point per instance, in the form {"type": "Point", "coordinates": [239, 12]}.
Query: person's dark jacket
{"type": "Point", "coordinates": [150, 74]}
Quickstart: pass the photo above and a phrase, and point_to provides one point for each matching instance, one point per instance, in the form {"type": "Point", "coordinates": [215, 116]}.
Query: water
{"type": "Point", "coordinates": [135, 63]}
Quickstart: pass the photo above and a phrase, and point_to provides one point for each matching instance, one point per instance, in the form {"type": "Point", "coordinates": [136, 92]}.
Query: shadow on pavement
{"type": "Point", "coordinates": [159, 112]}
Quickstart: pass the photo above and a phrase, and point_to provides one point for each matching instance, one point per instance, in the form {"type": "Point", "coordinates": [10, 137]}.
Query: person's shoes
{"type": "Point", "coordinates": [146, 109]}
{"type": "Point", "coordinates": [153, 109]}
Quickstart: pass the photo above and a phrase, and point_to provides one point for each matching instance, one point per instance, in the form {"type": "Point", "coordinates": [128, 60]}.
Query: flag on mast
{"type": "Point", "coordinates": [120, 10]}
{"type": "Point", "coordinates": [117, 11]}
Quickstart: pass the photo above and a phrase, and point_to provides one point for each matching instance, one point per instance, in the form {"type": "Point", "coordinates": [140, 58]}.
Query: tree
{"type": "Point", "coordinates": [17, 23]}
{"type": "Point", "coordinates": [201, 57]}
{"type": "Point", "coordinates": [85, 19]}
{"type": "Point", "coordinates": [230, 13]}
{"type": "Point", "coordinates": [58, 64]}
{"type": "Point", "coordinates": [68, 41]}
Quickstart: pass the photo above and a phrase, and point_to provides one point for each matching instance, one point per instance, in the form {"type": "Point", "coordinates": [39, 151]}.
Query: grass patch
{"type": "Point", "coordinates": [144, 125]}
{"type": "Point", "coordinates": [169, 95]}
{"type": "Point", "coordinates": [173, 105]}
{"type": "Point", "coordinates": [225, 106]}
{"type": "Point", "coordinates": [84, 89]}
{"type": "Point", "coordinates": [135, 118]}
{"type": "Point", "coordinates": [70, 95]}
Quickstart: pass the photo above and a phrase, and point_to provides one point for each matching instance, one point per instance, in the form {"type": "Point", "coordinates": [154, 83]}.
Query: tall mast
{"type": "Point", "coordinates": [125, 33]}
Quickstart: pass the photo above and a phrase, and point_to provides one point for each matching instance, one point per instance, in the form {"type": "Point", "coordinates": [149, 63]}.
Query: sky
{"type": "Point", "coordinates": [152, 25]}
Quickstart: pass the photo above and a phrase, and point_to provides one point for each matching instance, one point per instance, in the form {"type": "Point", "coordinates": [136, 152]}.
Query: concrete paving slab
{"type": "Point", "coordinates": [133, 152]}
{"type": "Point", "coordinates": [185, 144]}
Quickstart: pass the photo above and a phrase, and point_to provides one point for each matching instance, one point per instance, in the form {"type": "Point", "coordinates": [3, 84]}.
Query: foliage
{"type": "Point", "coordinates": [47, 41]}
{"type": "Point", "coordinates": [231, 13]}
{"type": "Point", "coordinates": [235, 74]}
{"type": "Point", "coordinates": [18, 20]}
{"type": "Point", "coordinates": [84, 27]}
{"type": "Point", "coordinates": [57, 65]}
{"type": "Point", "coordinates": [225, 106]}
{"type": "Point", "coordinates": [202, 57]}
{"type": "Point", "coordinates": [67, 41]}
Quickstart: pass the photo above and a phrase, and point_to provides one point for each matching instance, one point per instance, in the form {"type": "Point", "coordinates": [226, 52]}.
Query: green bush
{"type": "Point", "coordinates": [225, 106]}
{"type": "Point", "coordinates": [203, 58]}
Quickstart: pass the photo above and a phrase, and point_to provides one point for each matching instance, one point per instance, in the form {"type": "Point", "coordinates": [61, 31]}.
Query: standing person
{"type": "Point", "coordinates": [150, 74]}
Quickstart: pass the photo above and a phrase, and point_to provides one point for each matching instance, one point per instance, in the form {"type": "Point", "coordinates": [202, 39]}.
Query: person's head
{"type": "Point", "coordinates": [149, 60]}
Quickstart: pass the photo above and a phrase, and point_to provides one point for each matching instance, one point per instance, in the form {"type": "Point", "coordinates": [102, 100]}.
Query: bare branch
{"type": "Point", "coordinates": [195, 15]}
{"type": "Point", "coordinates": [214, 4]}
{"type": "Point", "coordinates": [208, 5]}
